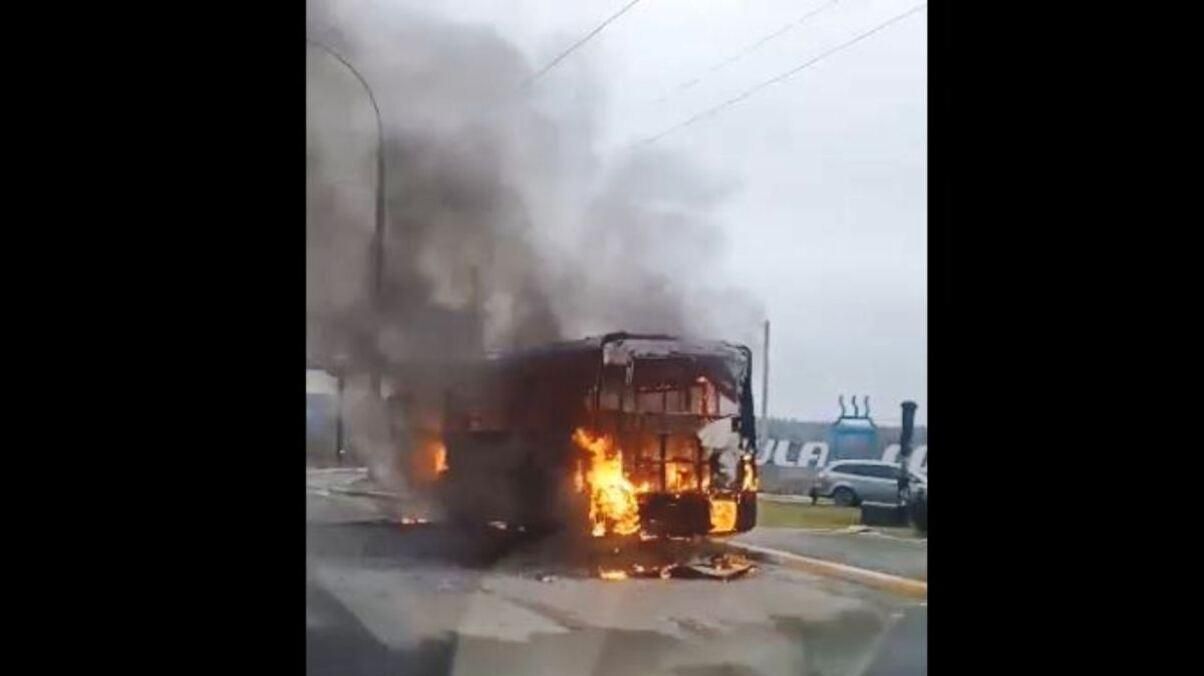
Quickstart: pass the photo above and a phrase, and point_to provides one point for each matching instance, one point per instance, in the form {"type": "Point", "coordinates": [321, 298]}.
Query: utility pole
{"type": "Point", "coordinates": [338, 421]}
{"type": "Point", "coordinates": [765, 386]}
{"type": "Point", "coordinates": [909, 417]}
{"type": "Point", "coordinates": [378, 233]}
{"type": "Point", "coordinates": [905, 434]}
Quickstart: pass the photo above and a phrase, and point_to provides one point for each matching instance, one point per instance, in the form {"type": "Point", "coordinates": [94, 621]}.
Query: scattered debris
{"type": "Point", "coordinates": [719, 567]}
{"type": "Point", "coordinates": [662, 572]}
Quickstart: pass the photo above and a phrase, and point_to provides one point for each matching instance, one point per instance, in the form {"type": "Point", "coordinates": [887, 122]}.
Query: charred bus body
{"type": "Point", "coordinates": [623, 433]}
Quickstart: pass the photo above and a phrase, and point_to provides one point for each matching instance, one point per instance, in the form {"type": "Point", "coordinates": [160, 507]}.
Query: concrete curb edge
{"type": "Point", "coordinates": [871, 578]}
{"type": "Point", "coordinates": [354, 491]}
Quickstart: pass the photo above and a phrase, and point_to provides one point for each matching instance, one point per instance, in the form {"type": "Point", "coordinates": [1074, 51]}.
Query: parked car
{"type": "Point", "coordinates": [849, 482]}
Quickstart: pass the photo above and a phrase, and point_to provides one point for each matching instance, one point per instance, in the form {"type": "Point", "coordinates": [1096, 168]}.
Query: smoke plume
{"type": "Point", "coordinates": [504, 227]}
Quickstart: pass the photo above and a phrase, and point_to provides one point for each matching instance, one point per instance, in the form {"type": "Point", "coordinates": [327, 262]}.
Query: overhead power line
{"type": "Point", "coordinates": [774, 80]}
{"type": "Point", "coordinates": [552, 64]}
{"type": "Point", "coordinates": [752, 48]}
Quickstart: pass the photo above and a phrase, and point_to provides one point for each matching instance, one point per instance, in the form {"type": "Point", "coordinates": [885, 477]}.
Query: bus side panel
{"type": "Point", "coordinates": [520, 478]}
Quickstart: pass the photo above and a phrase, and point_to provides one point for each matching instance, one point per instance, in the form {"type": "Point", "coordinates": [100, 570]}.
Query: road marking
{"type": "Point", "coordinates": [867, 659]}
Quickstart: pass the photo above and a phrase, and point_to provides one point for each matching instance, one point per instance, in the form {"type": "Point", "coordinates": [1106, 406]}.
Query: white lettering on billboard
{"type": "Point", "coordinates": [815, 454]}
{"type": "Point", "coordinates": [766, 451]}
{"type": "Point", "coordinates": [779, 454]}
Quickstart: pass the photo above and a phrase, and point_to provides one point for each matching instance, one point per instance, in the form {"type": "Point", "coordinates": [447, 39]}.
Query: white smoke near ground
{"type": "Point", "coordinates": [504, 228]}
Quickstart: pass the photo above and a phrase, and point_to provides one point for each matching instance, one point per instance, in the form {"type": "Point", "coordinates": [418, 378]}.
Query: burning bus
{"type": "Point", "coordinates": [620, 435]}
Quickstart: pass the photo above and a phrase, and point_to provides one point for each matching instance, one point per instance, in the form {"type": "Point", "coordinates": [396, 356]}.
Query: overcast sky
{"type": "Point", "coordinates": [828, 228]}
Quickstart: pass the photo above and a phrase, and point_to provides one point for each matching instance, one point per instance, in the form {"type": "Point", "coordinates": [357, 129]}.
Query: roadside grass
{"type": "Point", "coordinates": [803, 515]}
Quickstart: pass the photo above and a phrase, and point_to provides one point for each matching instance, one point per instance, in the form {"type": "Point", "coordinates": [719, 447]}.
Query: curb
{"type": "Point", "coordinates": [366, 493]}
{"type": "Point", "coordinates": [785, 497]}
{"type": "Point", "coordinates": [871, 578]}
{"type": "Point", "coordinates": [353, 491]}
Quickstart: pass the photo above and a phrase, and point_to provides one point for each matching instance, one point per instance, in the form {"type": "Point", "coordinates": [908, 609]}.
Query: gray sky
{"type": "Point", "coordinates": [828, 228]}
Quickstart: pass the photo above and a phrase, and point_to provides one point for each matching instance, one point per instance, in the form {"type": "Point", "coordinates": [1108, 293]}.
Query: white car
{"type": "Point", "coordinates": [849, 482]}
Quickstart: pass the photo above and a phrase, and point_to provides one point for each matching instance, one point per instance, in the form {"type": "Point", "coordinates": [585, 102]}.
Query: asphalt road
{"type": "Point", "coordinates": [388, 598]}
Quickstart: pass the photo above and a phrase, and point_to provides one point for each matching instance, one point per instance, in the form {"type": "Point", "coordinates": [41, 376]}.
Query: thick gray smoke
{"type": "Point", "coordinates": [504, 228]}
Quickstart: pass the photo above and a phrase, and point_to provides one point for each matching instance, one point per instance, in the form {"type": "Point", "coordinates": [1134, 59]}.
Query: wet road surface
{"type": "Point", "coordinates": [387, 598]}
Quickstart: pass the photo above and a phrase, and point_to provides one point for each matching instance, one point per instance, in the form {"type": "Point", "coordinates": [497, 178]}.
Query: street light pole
{"type": "Point", "coordinates": [765, 387]}
{"type": "Point", "coordinates": [378, 233]}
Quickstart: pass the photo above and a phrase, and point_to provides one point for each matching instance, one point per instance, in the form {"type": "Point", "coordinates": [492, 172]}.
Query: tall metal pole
{"type": "Point", "coordinates": [909, 417]}
{"type": "Point", "coordinates": [905, 434]}
{"type": "Point", "coordinates": [378, 232]}
{"type": "Point", "coordinates": [338, 423]}
{"type": "Point", "coordinates": [765, 386]}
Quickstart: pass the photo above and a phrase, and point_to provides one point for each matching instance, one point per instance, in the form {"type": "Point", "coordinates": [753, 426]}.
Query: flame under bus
{"type": "Point", "coordinates": [619, 435]}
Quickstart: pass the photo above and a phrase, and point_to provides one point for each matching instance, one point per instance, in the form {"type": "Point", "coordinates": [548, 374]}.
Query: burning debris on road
{"type": "Point", "coordinates": [616, 558]}
{"type": "Point", "coordinates": [721, 567]}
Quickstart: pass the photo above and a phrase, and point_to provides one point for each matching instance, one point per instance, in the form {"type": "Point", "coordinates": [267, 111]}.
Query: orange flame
{"type": "Point", "coordinates": [678, 477]}
{"type": "Point", "coordinates": [440, 459]}
{"type": "Point", "coordinates": [749, 482]}
{"type": "Point", "coordinates": [612, 574]}
{"type": "Point", "coordinates": [613, 507]}
{"type": "Point", "coordinates": [723, 515]}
